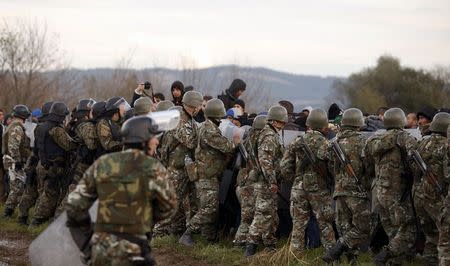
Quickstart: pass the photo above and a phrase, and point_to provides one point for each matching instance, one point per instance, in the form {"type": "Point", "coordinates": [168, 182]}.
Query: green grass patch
{"type": "Point", "coordinates": [11, 225]}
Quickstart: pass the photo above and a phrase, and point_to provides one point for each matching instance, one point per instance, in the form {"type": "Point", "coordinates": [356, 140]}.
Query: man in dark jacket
{"type": "Point", "coordinates": [424, 118]}
{"type": "Point", "coordinates": [231, 94]}
{"type": "Point", "coordinates": [177, 91]}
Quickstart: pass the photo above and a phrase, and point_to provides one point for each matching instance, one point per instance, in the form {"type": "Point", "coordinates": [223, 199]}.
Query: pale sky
{"type": "Point", "coordinates": [303, 37]}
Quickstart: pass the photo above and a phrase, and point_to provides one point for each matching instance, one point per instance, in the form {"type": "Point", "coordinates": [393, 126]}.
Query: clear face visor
{"type": "Point", "coordinates": [91, 103]}
{"type": "Point", "coordinates": [166, 120]}
{"type": "Point", "coordinates": [123, 105]}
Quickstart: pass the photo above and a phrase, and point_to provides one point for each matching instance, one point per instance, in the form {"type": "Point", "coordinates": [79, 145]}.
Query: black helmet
{"type": "Point", "coordinates": [85, 105]}
{"type": "Point", "coordinates": [98, 109]}
{"type": "Point", "coordinates": [139, 129]}
{"type": "Point", "coordinates": [21, 111]}
{"type": "Point", "coordinates": [59, 109]}
{"type": "Point", "coordinates": [46, 108]}
{"type": "Point", "coordinates": [114, 103]}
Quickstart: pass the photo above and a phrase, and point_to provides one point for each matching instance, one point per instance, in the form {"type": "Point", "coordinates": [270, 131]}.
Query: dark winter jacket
{"type": "Point", "coordinates": [229, 96]}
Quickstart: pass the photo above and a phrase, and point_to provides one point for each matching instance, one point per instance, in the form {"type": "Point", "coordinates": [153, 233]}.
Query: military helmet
{"type": "Point", "coordinates": [394, 118]}
{"type": "Point", "coordinates": [352, 117]}
{"type": "Point", "coordinates": [440, 122]}
{"type": "Point", "coordinates": [114, 103]}
{"type": "Point", "coordinates": [164, 105]}
{"type": "Point", "coordinates": [193, 98]}
{"type": "Point", "coordinates": [215, 109]}
{"type": "Point", "coordinates": [139, 129]}
{"type": "Point", "coordinates": [98, 109]}
{"type": "Point", "coordinates": [46, 108]}
{"type": "Point", "coordinates": [317, 119]}
{"type": "Point", "coordinates": [59, 109]}
{"type": "Point", "coordinates": [259, 122]}
{"type": "Point", "coordinates": [277, 113]}
{"type": "Point", "coordinates": [21, 111]}
{"type": "Point", "coordinates": [143, 106]}
{"type": "Point", "coordinates": [85, 105]}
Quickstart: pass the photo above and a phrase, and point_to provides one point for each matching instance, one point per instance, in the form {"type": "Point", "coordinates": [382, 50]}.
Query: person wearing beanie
{"type": "Point", "coordinates": [334, 114]}
{"type": "Point", "coordinates": [290, 125]}
{"type": "Point", "coordinates": [230, 95]}
{"type": "Point", "coordinates": [424, 118]}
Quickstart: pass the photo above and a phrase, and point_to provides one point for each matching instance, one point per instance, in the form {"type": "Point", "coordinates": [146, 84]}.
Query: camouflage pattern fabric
{"type": "Point", "coordinates": [16, 188]}
{"type": "Point", "coordinates": [133, 193]}
{"type": "Point", "coordinates": [352, 205]}
{"type": "Point", "coordinates": [210, 159]}
{"type": "Point", "coordinates": [434, 151]}
{"type": "Point", "coordinates": [265, 221]}
{"type": "Point", "coordinates": [444, 233]}
{"type": "Point", "coordinates": [31, 193]}
{"type": "Point", "coordinates": [396, 214]}
{"type": "Point", "coordinates": [309, 192]}
{"type": "Point", "coordinates": [105, 136]}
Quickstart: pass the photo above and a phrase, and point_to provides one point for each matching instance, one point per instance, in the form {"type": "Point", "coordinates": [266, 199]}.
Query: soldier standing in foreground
{"type": "Point", "coordinates": [34, 170]}
{"type": "Point", "coordinates": [393, 185]}
{"type": "Point", "coordinates": [210, 162]}
{"type": "Point", "coordinates": [306, 160]}
{"type": "Point", "coordinates": [133, 193]}
{"type": "Point", "coordinates": [351, 187]}
{"type": "Point", "coordinates": [444, 230]}
{"type": "Point", "coordinates": [15, 150]}
{"type": "Point", "coordinates": [53, 148]}
{"type": "Point", "coordinates": [428, 195]}
{"type": "Point", "coordinates": [246, 180]}
{"type": "Point", "coordinates": [269, 150]}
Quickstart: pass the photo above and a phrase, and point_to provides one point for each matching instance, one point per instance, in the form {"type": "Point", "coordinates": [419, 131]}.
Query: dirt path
{"type": "Point", "coordinates": [14, 251]}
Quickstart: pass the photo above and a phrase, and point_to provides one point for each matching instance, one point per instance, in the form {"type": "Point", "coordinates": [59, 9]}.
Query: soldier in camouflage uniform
{"type": "Point", "coordinates": [164, 105]}
{"type": "Point", "coordinates": [246, 180]}
{"type": "Point", "coordinates": [133, 193]}
{"type": "Point", "coordinates": [444, 230]}
{"type": "Point", "coordinates": [53, 148]}
{"type": "Point", "coordinates": [35, 172]}
{"type": "Point", "coordinates": [428, 201]}
{"type": "Point", "coordinates": [269, 150]}
{"type": "Point", "coordinates": [184, 143]}
{"type": "Point", "coordinates": [311, 191]}
{"type": "Point", "coordinates": [210, 161]}
{"type": "Point", "coordinates": [389, 154]}
{"type": "Point", "coordinates": [15, 150]}
{"type": "Point", "coordinates": [108, 126]}
{"type": "Point", "coordinates": [350, 192]}
{"type": "Point", "coordinates": [143, 106]}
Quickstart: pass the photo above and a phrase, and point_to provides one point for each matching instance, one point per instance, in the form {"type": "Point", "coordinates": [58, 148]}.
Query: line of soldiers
{"type": "Point", "coordinates": [156, 182]}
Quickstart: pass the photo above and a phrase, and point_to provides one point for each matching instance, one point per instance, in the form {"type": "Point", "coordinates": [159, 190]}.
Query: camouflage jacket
{"type": "Point", "coordinates": [269, 150]}
{"type": "Point", "coordinates": [132, 189]}
{"type": "Point", "coordinates": [62, 138]}
{"type": "Point", "coordinates": [250, 174]}
{"type": "Point", "coordinates": [352, 143]}
{"type": "Point", "coordinates": [87, 134]}
{"type": "Point", "coordinates": [184, 141]}
{"type": "Point", "coordinates": [295, 164]}
{"type": "Point", "coordinates": [385, 153]}
{"type": "Point", "coordinates": [16, 143]}
{"type": "Point", "coordinates": [211, 151]}
{"type": "Point", "coordinates": [434, 151]}
{"type": "Point", "coordinates": [167, 144]}
{"type": "Point", "coordinates": [108, 133]}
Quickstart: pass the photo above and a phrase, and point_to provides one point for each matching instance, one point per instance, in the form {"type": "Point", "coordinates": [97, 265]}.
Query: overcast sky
{"type": "Point", "coordinates": [304, 37]}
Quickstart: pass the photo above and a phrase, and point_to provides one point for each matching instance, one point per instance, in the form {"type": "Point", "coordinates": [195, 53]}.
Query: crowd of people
{"type": "Point", "coordinates": [152, 182]}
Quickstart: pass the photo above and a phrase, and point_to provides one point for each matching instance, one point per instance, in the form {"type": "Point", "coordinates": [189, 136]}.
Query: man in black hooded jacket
{"type": "Point", "coordinates": [177, 91]}
{"type": "Point", "coordinates": [231, 94]}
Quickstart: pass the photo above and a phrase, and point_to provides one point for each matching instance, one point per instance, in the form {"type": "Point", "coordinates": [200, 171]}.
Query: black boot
{"type": "Point", "coordinates": [186, 239]}
{"type": "Point", "coordinates": [8, 213]}
{"type": "Point", "coordinates": [250, 249]}
{"type": "Point", "coordinates": [23, 220]}
{"type": "Point", "coordinates": [335, 252]}
{"type": "Point", "coordinates": [383, 257]}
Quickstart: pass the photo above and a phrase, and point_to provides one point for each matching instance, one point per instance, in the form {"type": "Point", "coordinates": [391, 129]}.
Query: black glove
{"type": "Point", "coordinates": [31, 177]}
{"type": "Point", "coordinates": [19, 166]}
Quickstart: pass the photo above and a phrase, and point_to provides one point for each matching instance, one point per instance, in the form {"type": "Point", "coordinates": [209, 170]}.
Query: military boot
{"type": "Point", "coordinates": [8, 213]}
{"type": "Point", "coordinates": [23, 220]}
{"type": "Point", "coordinates": [250, 249]}
{"type": "Point", "coordinates": [186, 239]}
{"type": "Point", "coordinates": [335, 252]}
{"type": "Point", "coordinates": [383, 257]}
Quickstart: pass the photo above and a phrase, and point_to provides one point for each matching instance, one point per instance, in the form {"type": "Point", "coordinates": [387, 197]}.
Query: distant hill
{"type": "Point", "coordinates": [301, 90]}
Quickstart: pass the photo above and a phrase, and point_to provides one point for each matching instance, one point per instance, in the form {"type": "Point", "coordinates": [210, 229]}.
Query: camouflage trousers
{"type": "Point", "coordinates": [397, 220]}
{"type": "Point", "coordinates": [50, 196]}
{"type": "Point", "coordinates": [16, 188]}
{"type": "Point", "coordinates": [205, 218]}
{"type": "Point", "coordinates": [353, 220]}
{"type": "Point", "coordinates": [3, 177]}
{"type": "Point", "coordinates": [187, 200]}
{"type": "Point", "coordinates": [305, 203]}
{"type": "Point", "coordinates": [80, 168]}
{"type": "Point", "coordinates": [444, 236]}
{"type": "Point", "coordinates": [428, 212]}
{"type": "Point", "coordinates": [108, 249]}
{"type": "Point", "coordinates": [265, 221]}
{"type": "Point", "coordinates": [246, 197]}
{"type": "Point", "coordinates": [32, 192]}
